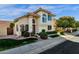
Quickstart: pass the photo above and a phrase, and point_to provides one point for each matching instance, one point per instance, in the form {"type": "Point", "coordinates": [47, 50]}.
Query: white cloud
{"type": "Point", "coordinates": [53, 9]}
{"type": "Point", "coordinates": [12, 11]}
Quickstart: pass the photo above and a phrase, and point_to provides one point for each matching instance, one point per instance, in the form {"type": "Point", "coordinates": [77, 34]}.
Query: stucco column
{"type": "Point", "coordinates": [30, 24]}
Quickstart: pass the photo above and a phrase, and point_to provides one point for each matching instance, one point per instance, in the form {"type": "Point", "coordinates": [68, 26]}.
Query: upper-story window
{"type": "Point", "coordinates": [33, 21]}
{"type": "Point", "coordinates": [44, 18]}
{"type": "Point", "coordinates": [49, 17]}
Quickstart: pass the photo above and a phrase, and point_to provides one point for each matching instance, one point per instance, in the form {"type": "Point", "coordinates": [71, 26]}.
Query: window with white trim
{"type": "Point", "coordinates": [44, 19]}
{"type": "Point", "coordinates": [26, 27]}
{"type": "Point", "coordinates": [16, 27]}
{"type": "Point", "coordinates": [22, 27]}
{"type": "Point", "coordinates": [49, 18]}
{"type": "Point", "coordinates": [49, 27]}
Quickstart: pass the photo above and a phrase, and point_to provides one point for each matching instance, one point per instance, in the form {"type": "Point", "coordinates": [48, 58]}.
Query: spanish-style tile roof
{"type": "Point", "coordinates": [32, 14]}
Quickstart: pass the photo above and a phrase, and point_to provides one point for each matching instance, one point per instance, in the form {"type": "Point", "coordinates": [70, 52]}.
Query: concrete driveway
{"type": "Point", "coordinates": [36, 47]}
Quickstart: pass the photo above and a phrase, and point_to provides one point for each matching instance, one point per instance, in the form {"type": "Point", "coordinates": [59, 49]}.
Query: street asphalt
{"type": "Point", "coordinates": [67, 47]}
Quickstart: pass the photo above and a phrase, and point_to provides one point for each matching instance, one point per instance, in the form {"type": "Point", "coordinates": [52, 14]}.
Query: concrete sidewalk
{"type": "Point", "coordinates": [71, 37]}
{"type": "Point", "coordinates": [36, 47]}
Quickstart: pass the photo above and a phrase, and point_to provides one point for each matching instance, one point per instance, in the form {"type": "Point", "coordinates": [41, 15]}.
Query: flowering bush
{"type": "Point", "coordinates": [60, 30]}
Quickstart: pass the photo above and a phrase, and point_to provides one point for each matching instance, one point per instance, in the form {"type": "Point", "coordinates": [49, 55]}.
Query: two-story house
{"type": "Point", "coordinates": [35, 22]}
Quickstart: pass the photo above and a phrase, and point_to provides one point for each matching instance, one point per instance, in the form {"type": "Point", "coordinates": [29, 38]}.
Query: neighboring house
{"type": "Point", "coordinates": [35, 22]}
{"type": "Point", "coordinates": [4, 25]}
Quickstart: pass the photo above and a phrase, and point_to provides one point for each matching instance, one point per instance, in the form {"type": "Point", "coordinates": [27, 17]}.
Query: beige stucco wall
{"type": "Point", "coordinates": [24, 21]}
{"type": "Point", "coordinates": [3, 31]}
{"type": "Point", "coordinates": [21, 21]}
{"type": "Point", "coordinates": [3, 27]}
{"type": "Point", "coordinates": [42, 25]}
{"type": "Point", "coordinates": [39, 24]}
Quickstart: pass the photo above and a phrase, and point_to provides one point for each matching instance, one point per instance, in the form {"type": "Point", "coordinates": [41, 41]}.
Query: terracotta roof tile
{"type": "Point", "coordinates": [33, 14]}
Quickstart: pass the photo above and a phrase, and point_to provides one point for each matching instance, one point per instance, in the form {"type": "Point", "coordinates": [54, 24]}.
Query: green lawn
{"type": "Point", "coordinates": [11, 43]}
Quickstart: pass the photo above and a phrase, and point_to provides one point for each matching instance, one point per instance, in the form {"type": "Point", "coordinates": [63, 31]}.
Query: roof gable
{"type": "Point", "coordinates": [44, 10]}
{"type": "Point", "coordinates": [34, 14]}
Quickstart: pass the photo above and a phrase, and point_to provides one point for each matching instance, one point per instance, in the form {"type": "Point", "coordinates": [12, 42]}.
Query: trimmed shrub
{"type": "Point", "coordinates": [43, 30]}
{"type": "Point", "coordinates": [43, 35]}
{"type": "Point", "coordinates": [25, 34]}
{"type": "Point", "coordinates": [32, 34]}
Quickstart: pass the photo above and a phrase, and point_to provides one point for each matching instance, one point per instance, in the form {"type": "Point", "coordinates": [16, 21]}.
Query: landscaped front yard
{"type": "Point", "coordinates": [11, 43]}
{"type": "Point", "coordinates": [52, 34]}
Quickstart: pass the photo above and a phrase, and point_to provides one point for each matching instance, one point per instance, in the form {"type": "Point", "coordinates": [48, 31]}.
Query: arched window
{"type": "Point", "coordinates": [44, 18]}
{"type": "Point", "coordinates": [26, 27]}
{"type": "Point", "coordinates": [22, 27]}
{"type": "Point", "coordinates": [16, 27]}
{"type": "Point", "coordinates": [33, 21]}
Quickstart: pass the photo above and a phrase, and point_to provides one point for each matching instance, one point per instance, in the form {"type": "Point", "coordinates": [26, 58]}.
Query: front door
{"type": "Point", "coordinates": [33, 26]}
{"type": "Point", "coordinates": [9, 31]}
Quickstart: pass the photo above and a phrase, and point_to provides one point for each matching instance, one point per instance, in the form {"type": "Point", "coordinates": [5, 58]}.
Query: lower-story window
{"type": "Point", "coordinates": [16, 27]}
{"type": "Point", "coordinates": [22, 27]}
{"type": "Point", "coordinates": [26, 27]}
{"type": "Point", "coordinates": [49, 27]}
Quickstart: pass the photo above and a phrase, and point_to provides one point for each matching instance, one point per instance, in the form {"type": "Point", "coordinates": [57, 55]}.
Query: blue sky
{"type": "Point", "coordinates": [12, 11]}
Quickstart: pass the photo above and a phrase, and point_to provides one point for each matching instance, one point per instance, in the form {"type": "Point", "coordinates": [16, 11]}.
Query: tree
{"type": "Point", "coordinates": [11, 25]}
{"type": "Point", "coordinates": [77, 23]}
{"type": "Point", "coordinates": [66, 21]}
